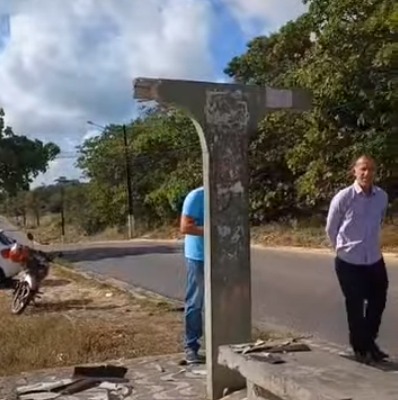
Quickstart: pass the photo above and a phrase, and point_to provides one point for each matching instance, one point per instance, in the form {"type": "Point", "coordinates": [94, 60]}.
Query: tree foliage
{"type": "Point", "coordinates": [343, 52]}
{"type": "Point", "coordinates": [165, 157]}
{"type": "Point", "coordinates": [21, 159]}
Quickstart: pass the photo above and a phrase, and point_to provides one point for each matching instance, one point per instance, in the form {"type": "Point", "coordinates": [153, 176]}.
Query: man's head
{"type": "Point", "coordinates": [364, 170]}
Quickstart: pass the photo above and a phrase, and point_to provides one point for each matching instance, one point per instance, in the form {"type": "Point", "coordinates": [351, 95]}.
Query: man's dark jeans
{"type": "Point", "coordinates": [365, 291]}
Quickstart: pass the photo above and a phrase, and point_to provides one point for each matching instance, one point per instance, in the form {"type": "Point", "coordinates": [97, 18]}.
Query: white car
{"type": "Point", "coordinates": [8, 269]}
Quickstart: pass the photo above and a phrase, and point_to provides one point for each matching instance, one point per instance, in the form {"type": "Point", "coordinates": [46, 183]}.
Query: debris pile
{"type": "Point", "coordinates": [105, 382]}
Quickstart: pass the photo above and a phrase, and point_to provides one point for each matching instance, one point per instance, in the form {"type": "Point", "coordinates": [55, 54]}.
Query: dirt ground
{"type": "Point", "coordinates": [79, 321]}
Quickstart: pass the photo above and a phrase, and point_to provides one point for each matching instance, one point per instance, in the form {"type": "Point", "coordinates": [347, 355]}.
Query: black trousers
{"type": "Point", "coordinates": [365, 290]}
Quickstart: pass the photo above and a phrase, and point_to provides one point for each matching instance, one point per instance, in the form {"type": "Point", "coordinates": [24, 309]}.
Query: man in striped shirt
{"type": "Point", "coordinates": [354, 226]}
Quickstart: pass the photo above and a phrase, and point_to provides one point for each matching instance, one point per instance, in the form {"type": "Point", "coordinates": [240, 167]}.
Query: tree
{"type": "Point", "coordinates": [270, 60]}
{"type": "Point", "coordinates": [165, 160]}
{"type": "Point", "coordinates": [273, 61]}
{"type": "Point", "coordinates": [21, 159]}
{"type": "Point", "coordinates": [343, 52]}
{"type": "Point", "coordinates": [34, 202]}
{"type": "Point", "coordinates": [354, 109]}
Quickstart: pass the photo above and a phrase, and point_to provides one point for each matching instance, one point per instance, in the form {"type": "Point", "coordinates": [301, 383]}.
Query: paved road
{"type": "Point", "coordinates": [296, 290]}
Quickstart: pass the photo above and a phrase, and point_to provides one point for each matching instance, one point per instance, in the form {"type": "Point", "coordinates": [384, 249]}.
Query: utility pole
{"type": "Point", "coordinates": [131, 221]}
{"type": "Point", "coordinates": [61, 182]}
{"type": "Point", "coordinates": [62, 214]}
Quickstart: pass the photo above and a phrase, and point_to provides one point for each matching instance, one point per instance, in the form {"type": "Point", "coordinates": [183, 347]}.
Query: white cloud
{"type": "Point", "coordinates": [67, 62]}
{"type": "Point", "coordinates": [72, 61]}
{"type": "Point", "coordinates": [264, 16]}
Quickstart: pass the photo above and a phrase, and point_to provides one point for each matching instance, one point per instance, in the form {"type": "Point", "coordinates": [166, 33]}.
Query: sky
{"type": "Point", "coordinates": [63, 63]}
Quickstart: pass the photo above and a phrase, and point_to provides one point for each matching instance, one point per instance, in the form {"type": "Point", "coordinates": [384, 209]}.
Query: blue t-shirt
{"type": "Point", "coordinates": [193, 207]}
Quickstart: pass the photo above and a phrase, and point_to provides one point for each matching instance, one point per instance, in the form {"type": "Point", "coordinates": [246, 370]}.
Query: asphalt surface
{"type": "Point", "coordinates": [294, 290]}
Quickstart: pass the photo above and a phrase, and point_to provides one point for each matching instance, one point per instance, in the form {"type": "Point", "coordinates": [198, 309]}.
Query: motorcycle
{"type": "Point", "coordinates": [35, 268]}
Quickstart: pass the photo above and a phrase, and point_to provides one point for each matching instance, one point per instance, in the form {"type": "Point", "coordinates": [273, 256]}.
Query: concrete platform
{"type": "Point", "coordinates": [311, 375]}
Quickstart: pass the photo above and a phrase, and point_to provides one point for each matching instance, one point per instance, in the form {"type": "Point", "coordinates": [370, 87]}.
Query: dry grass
{"type": "Point", "coordinates": [78, 321]}
{"type": "Point", "coordinates": [81, 321]}
{"type": "Point", "coordinates": [284, 235]}
{"type": "Point", "coordinates": [303, 236]}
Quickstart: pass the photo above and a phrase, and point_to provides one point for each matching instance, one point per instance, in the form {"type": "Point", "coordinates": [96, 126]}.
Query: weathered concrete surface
{"type": "Point", "coordinates": [192, 96]}
{"type": "Point", "coordinates": [150, 378]}
{"type": "Point", "coordinates": [313, 375]}
{"type": "Point", "coordinates": [225, 116]}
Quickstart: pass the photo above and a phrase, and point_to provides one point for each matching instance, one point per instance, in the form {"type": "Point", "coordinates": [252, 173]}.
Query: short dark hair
{"type": "Point", "coordinates": [364, 157]}
{"type": "Point", "coordinates": [356, 159]}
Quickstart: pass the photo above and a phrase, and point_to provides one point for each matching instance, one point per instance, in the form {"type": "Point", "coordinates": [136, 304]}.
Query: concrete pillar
{"type": "Point", "coordinates": [225, 115]}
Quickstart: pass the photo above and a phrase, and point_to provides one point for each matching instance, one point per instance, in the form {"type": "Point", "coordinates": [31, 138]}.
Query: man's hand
{"type": "Point", "coordinates": [188, 227]}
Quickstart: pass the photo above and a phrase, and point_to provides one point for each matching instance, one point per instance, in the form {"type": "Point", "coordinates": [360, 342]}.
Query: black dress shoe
{"type": "Point", "coordinates": [362, 357]}
{"type": "Point", "coordinates": [377, 354]}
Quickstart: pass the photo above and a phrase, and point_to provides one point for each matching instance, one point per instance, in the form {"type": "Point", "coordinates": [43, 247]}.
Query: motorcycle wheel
{"type": "Point", "coordinates": [21, 299]}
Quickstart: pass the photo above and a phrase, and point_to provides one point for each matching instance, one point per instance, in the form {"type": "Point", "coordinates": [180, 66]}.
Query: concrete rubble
{"type": "Point", "coordinates": [148, 378]}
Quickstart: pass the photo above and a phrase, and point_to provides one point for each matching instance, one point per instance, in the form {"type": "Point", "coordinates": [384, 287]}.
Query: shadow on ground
{"type": "Point", "coordinates": [55, 282]}
{"type": "Point", "coordinates": [100, 253]}
{"type": "Point", "coordinates": [386, 366]}
{"type": "Point", "coordinates": [67, 305]}
{"type": "Point", "coordinates": [9, 284]}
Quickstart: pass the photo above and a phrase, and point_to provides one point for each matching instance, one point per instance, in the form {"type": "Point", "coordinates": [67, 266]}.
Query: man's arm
{"type": "Point", "coordinates": [190, 211]}
{"type": "Point", "coordinates": [333, 220]}
{"type": "Point", "coordinates": [385, 208]}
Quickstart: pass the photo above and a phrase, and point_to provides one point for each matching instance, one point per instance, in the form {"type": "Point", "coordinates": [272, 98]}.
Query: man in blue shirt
{"type": "Point", "coordinates": [192, 222]}
{"type": "Point", "coordinates": [353, 226]}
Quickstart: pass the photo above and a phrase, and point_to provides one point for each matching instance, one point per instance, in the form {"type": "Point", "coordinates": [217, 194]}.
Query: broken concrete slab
{"type": "Point", "coordinates": [43, 386]}
{"type": "Point", "coordinates": [146, 379]}
{"type": "Point", "coordinates": [314, 375]}
{"type": "Point", "coordinates": [272, 346]}
{"type": "Point", "coordinates": [86, 380]}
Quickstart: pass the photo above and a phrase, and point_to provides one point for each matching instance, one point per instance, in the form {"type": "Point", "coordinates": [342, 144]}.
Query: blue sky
{"type": "Point", "coordinates": [66, 62]}
{"type": "Point", "coordinates": [228, 39]}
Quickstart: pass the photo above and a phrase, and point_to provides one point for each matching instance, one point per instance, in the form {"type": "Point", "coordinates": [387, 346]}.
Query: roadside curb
{"type": "Point", "coordinates": [135, 291]}
{"type": "Point", "coordinates": [310, 250]}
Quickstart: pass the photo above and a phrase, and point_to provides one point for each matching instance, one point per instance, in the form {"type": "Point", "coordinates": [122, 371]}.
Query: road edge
{"type": "Point", "coordinates": [180, 241]}
{"type": "Point", "coordinates": [135, 291]}
{"type": "Point", "coordinates": [291, 249]}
